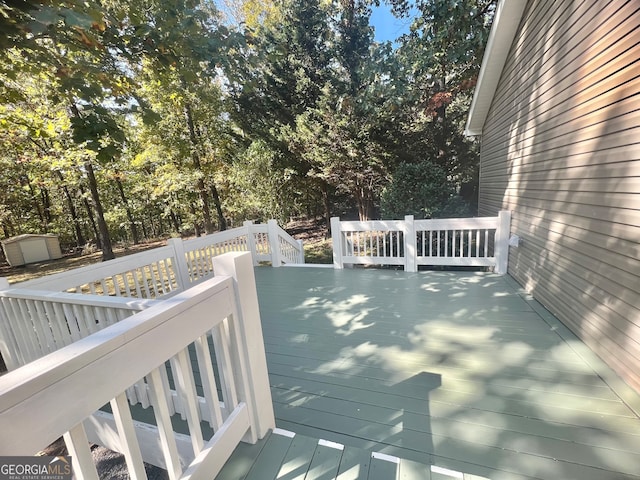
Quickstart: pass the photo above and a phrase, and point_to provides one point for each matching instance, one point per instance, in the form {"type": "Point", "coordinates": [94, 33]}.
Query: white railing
{"type": "Point", "coordinates": [481, 241]}
{"type": "Point", "coordinates": [64, 390]}
{"type": "Point", "coordinates": [160, 272]}
{"type": "Point", "coordinates": [150, 274]}
{"type": "Point", "coordinates": [34, 323]}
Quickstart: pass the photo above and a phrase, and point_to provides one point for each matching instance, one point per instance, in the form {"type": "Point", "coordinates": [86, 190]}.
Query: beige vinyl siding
{"type": "Point", "coordinates": [561, 150]}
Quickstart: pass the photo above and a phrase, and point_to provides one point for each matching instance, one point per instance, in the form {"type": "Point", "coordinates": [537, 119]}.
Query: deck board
{"type": "Point", "coordinates": [355, 464]}
{"type": "Point", "coordinates": [271, 457]}
{"type": "Point", "coordinates": [382, 469]}
{"type": "Point", "coordinates": [325, 463]}
{"type": "Point", "coordinates": [296, 463]}
{"type": "Point", "coordinates": [457, 369]}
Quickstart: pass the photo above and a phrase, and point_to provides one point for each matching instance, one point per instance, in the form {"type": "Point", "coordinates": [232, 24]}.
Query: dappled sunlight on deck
{"type": "Point", "coordinates": [454, 369]}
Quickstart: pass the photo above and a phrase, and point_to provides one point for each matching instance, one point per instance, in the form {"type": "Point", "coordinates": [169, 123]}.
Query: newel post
{"type": "Point", "coordinates": [251, 241]}
{"type": "Point", "coordinates": [336, 240]}
{"type": "Point", "coordinates": [238, 265]}
{"type": "Point", "coordinates": [501, 246]}
{"type": "Point", "coordinates": [410, 251]}
{"type": "Point", "coordinates": [181, 268]}
{"type": "Point", "coordinates": [274, 242]}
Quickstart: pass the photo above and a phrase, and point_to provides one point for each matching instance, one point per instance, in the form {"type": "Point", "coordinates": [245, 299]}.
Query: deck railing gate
{"type": "Point", "coordinates": [478, 241]}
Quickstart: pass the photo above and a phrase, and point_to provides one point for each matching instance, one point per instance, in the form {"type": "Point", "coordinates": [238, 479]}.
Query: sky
{"type": "Point", "coordinates": [388, 27]}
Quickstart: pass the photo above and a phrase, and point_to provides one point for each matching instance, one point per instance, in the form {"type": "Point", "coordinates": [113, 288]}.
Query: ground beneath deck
{"type": "Point", "coordinates": [456, 369]}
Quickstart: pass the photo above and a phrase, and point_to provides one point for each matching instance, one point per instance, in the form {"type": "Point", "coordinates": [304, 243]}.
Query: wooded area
{"type": "Point", "coordinates": [137, 119]}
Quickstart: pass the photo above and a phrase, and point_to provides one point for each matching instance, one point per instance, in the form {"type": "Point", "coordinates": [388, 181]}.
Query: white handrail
{"type": "Point", "coordinates": [482, 241]}
{"type": "Point", "coordinates": [284, 248]}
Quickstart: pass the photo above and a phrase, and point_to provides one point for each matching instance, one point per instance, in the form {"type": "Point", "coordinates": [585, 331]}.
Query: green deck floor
{"type": "Point", "coordinates": [454, 369]}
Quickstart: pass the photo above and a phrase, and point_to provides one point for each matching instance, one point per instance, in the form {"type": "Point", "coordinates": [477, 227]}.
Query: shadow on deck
{"type": "Point", "coordinates": [459, 370]}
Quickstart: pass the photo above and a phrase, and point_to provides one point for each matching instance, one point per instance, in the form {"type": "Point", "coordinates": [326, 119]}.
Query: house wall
{"type": "Point", "coordinates": [561, 150]}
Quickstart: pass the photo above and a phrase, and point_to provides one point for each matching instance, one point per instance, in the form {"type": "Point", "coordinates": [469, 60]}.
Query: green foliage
{"type": "Point", "coordinates": [253, 179]}
{"type": "Point", "coordinates": [422, 190]}
{"type": "Point", "coordinates": [154, 113]}
{"type": "Point", "coordinates": [320, 251]}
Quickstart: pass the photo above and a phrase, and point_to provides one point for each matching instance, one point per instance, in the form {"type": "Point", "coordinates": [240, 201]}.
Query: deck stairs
{"type": "Point", "coordinates": [284, 455]}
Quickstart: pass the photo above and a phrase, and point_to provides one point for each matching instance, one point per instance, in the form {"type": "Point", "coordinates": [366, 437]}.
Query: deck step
{"type": "Point", "coordinates": [284, 455]}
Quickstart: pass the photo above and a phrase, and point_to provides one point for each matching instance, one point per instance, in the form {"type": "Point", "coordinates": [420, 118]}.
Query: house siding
{"type": "Point", "coordinates": [561, 150]}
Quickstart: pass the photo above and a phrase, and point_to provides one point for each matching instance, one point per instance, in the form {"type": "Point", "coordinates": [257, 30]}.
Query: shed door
{"type": "Point", "coordinates": [34, 250]}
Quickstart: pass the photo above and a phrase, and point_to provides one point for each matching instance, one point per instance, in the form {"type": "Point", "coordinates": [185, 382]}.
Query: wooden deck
{"type": "Point", "coordinates": [459, 370]}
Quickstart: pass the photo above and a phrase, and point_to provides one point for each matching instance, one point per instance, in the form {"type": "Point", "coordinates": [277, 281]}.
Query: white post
{"type": "Point", "coordinates": [501, 245]}
{"type": "Point", "coordinates": [251, 241]}
{"type": "Point", "coordinates": [239, 266]}
{"type": "Point", "coordinates": [181, 268]}
{"type": "Point", "coordinates": [301, 247]}
{"type": "Point", "coordinates": [274, 242]}
{"type": "Point", "coordinates": [336, 240]}
{"type": "Point", "coordinates": [410, 250]}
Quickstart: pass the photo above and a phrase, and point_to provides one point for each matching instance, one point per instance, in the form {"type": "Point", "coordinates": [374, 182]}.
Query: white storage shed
{"type": "Point", "coordinates": [30, 248]}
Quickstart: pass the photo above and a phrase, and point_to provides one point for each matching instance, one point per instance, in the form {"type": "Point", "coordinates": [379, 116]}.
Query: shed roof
{"type": "Point", "coordinates": [505, 25]}
{"type": "Point", "coordinates": [27, 236]}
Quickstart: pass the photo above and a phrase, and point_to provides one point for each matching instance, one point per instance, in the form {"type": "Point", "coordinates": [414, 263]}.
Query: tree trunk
{"type": "Point", "coordinates": [222, 222]}
{"type": "Point", "coordinates": [196, 227]}
{"type": "Point", "coordinates": [36, 204]}
{"type": "Point", "coordinates": [132, 223]}
{"type": "Point", "coordinates": [326, 203]}
{"type": "Point", "coordinates": [92, 220]}
{"type": "Point", "coordinates": [195, 158]}
{"type": "Point", "coordinates": [175, 221]}
{"type": "Point", "coordinates": [145, 234]}
{"type": "Point", "coordinates": [46, 207]}
{"type": "Point", "coordinates": [365, 204]}
{"type": "Point", "coordinates": [105, 239]}
{"type": "Point", "coordinates": [80, 241]}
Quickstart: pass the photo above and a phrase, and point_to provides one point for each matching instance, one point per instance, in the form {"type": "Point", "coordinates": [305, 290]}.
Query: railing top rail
{"type": "Point", "coordinates": [125, 303]}
{"type": "Point", "coordinates": [456, 223]}
{"type": "Point", "coordinates": [33, 391]}
{"type": "Point", "coordinates": [371, 225]}
{"type": "Point", "coordinates": [259, 228]}
{"type": "Point", "coordinates": [217, 237]}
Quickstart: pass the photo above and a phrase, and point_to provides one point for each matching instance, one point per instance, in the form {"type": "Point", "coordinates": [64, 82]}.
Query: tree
{"type": "Point", "coordinates": [250, 13]}
{"type": "Point", "coordinates": [341, 136]}
{"type": "Point", "coordinates": [180, 81]}
{"type": "Point", "coordinates": [279, 74]}
{"type": "Point", "coordinates": [441, 59]}
{"type": "Point", "coordinates": [423, 190]}
{"type": "Point", "coordinates": [316, 89]}
{"type": "Point", "coordinates": [39, 147]}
